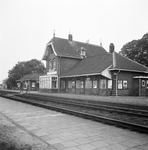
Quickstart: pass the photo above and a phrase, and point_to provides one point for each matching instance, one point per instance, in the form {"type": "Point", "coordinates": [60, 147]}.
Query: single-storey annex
{"type": "Point", "coordinates": [83, 68]}
{"type": "Point", "coordinates": [30, 81]}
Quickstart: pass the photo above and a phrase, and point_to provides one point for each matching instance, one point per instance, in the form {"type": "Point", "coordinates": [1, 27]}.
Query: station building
{"type": "Point", "coordinates": [83, 68]}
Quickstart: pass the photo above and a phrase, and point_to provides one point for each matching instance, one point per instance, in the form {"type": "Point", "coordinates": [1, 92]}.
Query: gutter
{"type": "Point", "coordinates": [80, 75]}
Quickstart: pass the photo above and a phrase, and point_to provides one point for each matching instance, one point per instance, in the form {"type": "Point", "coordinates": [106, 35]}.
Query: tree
{"type": "Point", "coordinates": [24, 68]}
{"type": "Point", "coordinates": [137, 50]}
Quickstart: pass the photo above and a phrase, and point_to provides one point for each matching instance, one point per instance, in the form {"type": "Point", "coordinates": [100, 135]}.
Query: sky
{"type": "Point", "coordinates": [26, 26]}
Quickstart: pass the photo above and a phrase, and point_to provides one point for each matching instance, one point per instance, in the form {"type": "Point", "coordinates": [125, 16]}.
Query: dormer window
{"type": "Point", "coordinates": [83, 52]}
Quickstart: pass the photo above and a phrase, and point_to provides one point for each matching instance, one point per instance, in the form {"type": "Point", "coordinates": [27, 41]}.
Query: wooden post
{"type": "Point", "coordinates": [139, 87]}
{"type": "Point", "coordinates": [116, 84]}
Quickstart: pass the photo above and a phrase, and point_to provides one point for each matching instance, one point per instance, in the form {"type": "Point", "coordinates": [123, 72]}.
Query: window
{"type": "Point", "coordinates": [124, 84]}
{"type": "Point", "coordinates": [54, 64]}
{"type": "Point", "coordinates": [83, 53]}
{"type": "Point", "coordinates": [102, 84]}
{"type": "Point", "coordinates": [119, 84]}
{"type": "Point", "coordinates": [78, 84]}
{"type": "Point", "coordinates": [62, 85]}
{"type": "Point", "coordinates": [54, 82]}
{"type": "Point", "coordinates": [143, 82]}
{"type": "Point", "coordinates": [88, 83]}
{"type": "Point", "coordinates": [82, 84]}
{"type": "Point", "coordinates": [44, 82]}
{"type": "Point", "coordinates": [33, 84]}
{"type": "Point", "coordinates": [47, 82]}
{"type": "Point", "coordinates": [109, 84]}
{"type": "Point", "coordinates": [69, 84]}
{"type": "Point", "coordinates": [147, 84]}
{"type": "Point", "coordinates": [73, 84]}
{"type": "Point", "coordinates": [50, 65]}
{"type": "Point", "coordinates": [95, 84]}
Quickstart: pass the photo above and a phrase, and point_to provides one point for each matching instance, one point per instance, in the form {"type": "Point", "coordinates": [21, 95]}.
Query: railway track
{"type": "Point", "coordinates": [48, 102]}
{"type": "Point", "coordinates": [122, 109]}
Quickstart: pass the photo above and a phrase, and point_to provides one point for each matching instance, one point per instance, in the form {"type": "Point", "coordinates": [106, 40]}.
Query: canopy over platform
{"type": "Point", "coordinates": [140, 77]}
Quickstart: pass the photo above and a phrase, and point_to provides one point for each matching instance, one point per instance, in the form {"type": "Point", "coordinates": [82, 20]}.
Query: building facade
{"type": "Point", "coordinates": [82, 68]}
{"type": "Point", "coordinates": [30, 82]}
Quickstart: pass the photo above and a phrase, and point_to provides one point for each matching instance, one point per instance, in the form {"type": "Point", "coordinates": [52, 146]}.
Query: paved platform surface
{"type": "Point", "coordinates": [66, 132]}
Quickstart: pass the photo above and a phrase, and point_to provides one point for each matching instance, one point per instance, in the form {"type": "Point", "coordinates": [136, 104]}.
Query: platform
{"type": "Point", "coordinates": [136, 100]}
{"type": "Point", "coordinates": [67, 132]}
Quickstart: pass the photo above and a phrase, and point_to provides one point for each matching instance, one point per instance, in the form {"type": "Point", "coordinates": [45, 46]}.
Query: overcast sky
{"type": "Point", "coordinates": [27, 25]}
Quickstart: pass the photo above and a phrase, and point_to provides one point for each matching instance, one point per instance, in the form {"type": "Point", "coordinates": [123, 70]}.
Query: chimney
{"type": "Point", "coordinates": [54, 33]}
{"type": "Point", "coordinates": [114, 60]}
{"type": "Point", "coordinates": [100, 42]}
{"type": "Point", "coordinates": [112, 51]}
{"type": "Point", "coordinates": [111, 48]}
{"type": "Point", "coordinates": [70, 37]}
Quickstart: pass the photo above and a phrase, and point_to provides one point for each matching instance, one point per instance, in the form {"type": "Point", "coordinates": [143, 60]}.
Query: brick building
{"type": "Point", "coordinates": [30, 81]}
{"type": "Point", "coordinates": [83, 68]}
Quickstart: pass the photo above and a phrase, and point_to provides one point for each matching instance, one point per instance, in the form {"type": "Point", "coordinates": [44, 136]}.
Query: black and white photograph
{"type": "Point", "coordinates": [74, 75]}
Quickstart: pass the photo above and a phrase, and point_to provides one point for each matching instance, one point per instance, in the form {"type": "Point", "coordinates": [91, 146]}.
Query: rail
{"type": "Point", "coordinates": [46, 104]}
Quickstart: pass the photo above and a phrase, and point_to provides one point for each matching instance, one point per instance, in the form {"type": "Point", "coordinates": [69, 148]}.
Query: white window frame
{"type": "Point", "coordinates": [83, 52]}
{"type": "Point", "coordinates": [147, 84]}
{"type": "Point", "coordinates": [54, 79]}
{"type": "Point", "coordinates": [110, 82]}
{"type": "Point", "coordinates": [143, 83]}
{"type": "Point", "coordinates": [124, 87]}
{"type": "Point", "coordinates": [95, 84]}
{"type": "Point", "coordinates": [120, 85]}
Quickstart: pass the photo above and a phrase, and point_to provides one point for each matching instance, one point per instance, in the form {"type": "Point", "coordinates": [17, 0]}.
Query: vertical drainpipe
{"type": "Point", "coordinates": [117, 82]}
{"type": "Point", "coordinates": [59, 74]}
{"type": "Point", "coordinates": [114, 67]}
{"type": "Point", "coordinates": [139, 87]}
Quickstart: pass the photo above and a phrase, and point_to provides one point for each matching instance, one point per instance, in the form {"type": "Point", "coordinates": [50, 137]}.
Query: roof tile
{"type": "Point", "coordinates": [30, 77]}
{"type": "Point", "coordinates": [124, 63]}
{"type": "Point", "coordinates": [91, 65]}
{"type": "Point", "coordinates": [66, 48]}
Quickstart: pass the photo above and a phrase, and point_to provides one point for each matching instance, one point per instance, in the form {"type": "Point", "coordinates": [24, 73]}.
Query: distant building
{"type": "Point", "coordinates": [82, 68]}
{"type": "Point", "coordinates": [30, 81]}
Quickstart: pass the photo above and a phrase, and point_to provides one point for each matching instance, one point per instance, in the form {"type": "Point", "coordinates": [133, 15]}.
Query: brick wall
{"type": "Point", "coordinates": [132, 84]}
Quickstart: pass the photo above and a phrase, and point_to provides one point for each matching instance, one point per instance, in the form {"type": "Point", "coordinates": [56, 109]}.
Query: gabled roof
{"type": "Point", "coordinates": [97, 64]}
{"type": "Point", "coordinates": [30, 77]}
{"type": "Point", "coordinates": [97, 58]}
{"type": "Point", "coordinates": [66, 48]}
{"type": "Point", "coordinates": [124, 63]}
{"type": "Point", "coordinates": [91, 65]}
